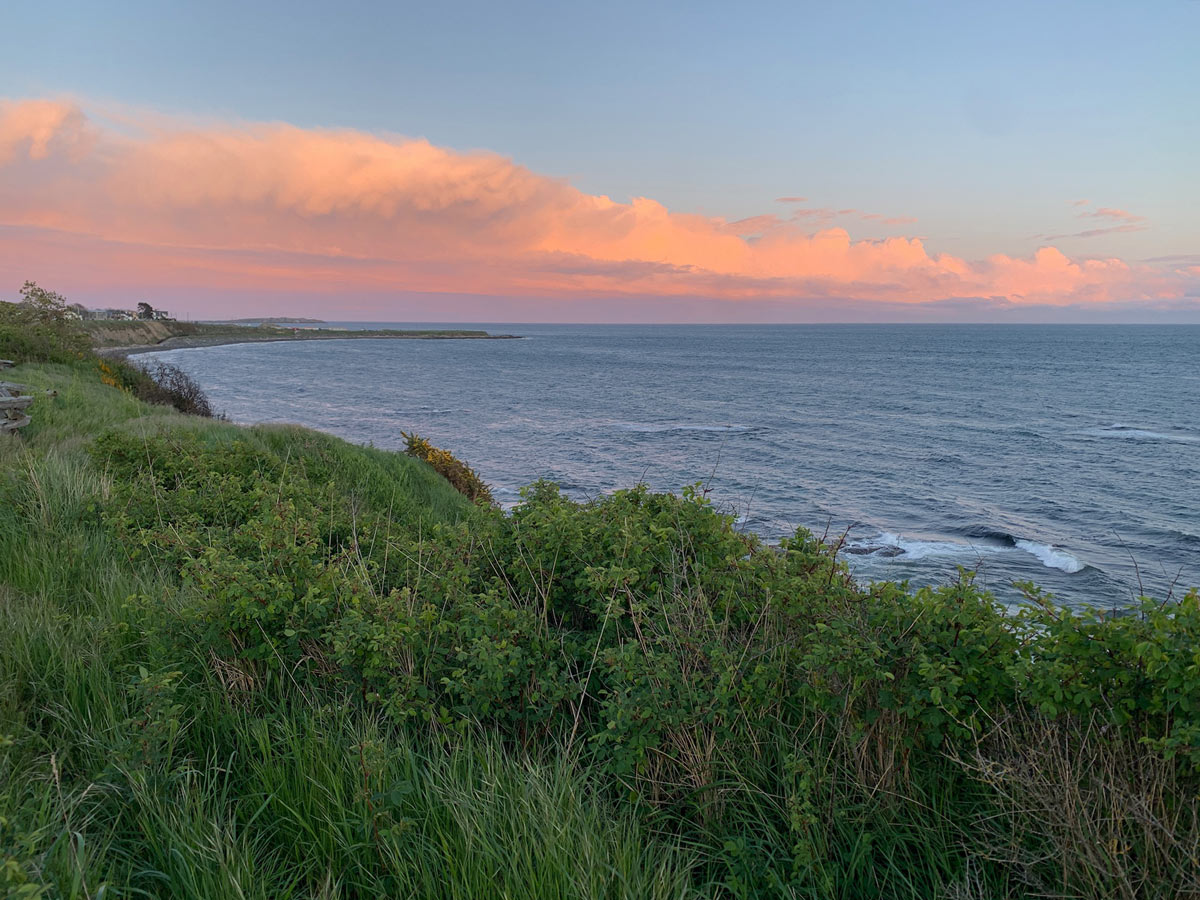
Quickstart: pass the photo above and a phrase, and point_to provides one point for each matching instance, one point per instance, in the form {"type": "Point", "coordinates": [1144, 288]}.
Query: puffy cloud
{"type": "Point", "coordinates": [35, 129]}
{"type": "Point", "coordinates": [276, 207]}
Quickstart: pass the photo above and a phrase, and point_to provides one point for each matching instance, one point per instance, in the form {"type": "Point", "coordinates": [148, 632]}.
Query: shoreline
{"type": "Point", "coordinates": [193, 341]}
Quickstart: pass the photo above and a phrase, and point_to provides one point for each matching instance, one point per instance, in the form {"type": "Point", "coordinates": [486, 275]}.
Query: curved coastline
{"type": "Point", "coordinates": [216, 336]}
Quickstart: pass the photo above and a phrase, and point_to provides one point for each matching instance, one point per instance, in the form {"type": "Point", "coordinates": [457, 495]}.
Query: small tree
{"type": "Point", "coordinates": [41, 328]}
{"type": "Point", "coordinates": [43, 306]}
{"type": "Point", "coordinates": [145, 310]}
{"type": "Point", "coordinates": [172, 386]}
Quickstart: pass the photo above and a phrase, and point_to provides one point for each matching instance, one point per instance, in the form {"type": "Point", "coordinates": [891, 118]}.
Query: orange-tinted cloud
{"type": "Point", "coordinates": [1105, 212]}
{"type": "Point", "coordinates": [275, 207]}
{"type": "Point", "coordinates": [1129, 222]}
{"type": "Point", "coordinates": [38, 128]}
{"type": "Point", "coordinates": [1097, 232]}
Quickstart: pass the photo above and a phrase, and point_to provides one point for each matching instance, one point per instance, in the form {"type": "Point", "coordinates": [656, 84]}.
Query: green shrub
{"type": "Point", "coordinates": [634, 623]}
{"type": "Point", "coordinates": [450, 467]}
{"type": "Point", "coordinates": [158, 382]}
{"type": "Point", "coordinates": [171, 386]}
{"type": "Point", "coordinates": [807, 735]}
{"type": "Point", "coordinates": [40, 328]}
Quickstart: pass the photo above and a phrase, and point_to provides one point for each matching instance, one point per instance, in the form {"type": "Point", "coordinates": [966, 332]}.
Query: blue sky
{"type": "Point", "coordinates": [983, 122]}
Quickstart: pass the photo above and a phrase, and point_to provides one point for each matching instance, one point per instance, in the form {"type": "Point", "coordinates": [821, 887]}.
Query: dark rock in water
{"type": "Point", "coordinates": [885, 550]}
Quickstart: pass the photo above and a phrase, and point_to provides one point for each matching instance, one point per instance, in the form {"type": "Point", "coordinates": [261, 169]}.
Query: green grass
{"type": "Point", "coordinates": [118, 778]}
{"type": "Point", "coordinates": [292, 798]}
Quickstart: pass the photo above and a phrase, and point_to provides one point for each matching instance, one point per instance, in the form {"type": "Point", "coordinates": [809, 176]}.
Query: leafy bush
{"type": "Point", "coordinates": [157, 382]}
{"type": "Point", "coordinates": [43, 328]}
{"type": "Point", "coordinates": [814, 731]}
{"type": "Point", "coordinates": [40, 328]}
{"type": "Point", "coordinates": [450, 467]}
{"type": "Point", "coordinates": [171, 386]}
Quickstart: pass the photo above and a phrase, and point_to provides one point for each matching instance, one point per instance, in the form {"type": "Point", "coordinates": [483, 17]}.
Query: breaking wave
{"type": "Point", "coordinates": [889, 545]}
{"type": "Point", "coordinates": [1052, 557]}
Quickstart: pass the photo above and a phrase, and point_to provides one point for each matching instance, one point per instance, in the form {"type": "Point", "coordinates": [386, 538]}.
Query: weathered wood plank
{"type": "Point", "coordinates": [15, 402]}
{"type": "Point", "coordinates": [12, 425]}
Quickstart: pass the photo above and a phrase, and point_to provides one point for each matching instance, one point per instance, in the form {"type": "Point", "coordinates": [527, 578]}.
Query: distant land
{"type": "Point", "coordinates": [268, 320]}
{"type": "Point", "coordinates": [118, 338]}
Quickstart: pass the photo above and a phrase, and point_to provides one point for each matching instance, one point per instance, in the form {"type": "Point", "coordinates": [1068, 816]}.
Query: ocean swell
{"type": "Point", "coordinates": [644, 428]}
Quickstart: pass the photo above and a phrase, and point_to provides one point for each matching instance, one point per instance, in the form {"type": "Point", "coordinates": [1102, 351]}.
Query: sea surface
{"type": "Point", "coordinates": [1064, 455]}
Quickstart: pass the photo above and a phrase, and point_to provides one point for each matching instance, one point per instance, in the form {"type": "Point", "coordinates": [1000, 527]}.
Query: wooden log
{"type": "Point", "coordinates": [12, 386]}
{"type": "Point", "coordinates": [12, 425]}
{"type": "Point", "coordinates": [15, 402]}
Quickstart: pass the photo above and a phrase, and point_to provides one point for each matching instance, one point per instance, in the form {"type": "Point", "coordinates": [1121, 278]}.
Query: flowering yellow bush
{"type": "Point", "coordinates": [461, 476]}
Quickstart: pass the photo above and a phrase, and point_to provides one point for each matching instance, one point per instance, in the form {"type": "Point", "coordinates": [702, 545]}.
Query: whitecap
{"type": "Point", "coordinates": [1138, 433]}
{"type": "Point", "coordinates": [644, 428]}
{"type": "Point", "coordinates": [889, 545]}
{"type": "Point", "coordinates": [1053, 557]}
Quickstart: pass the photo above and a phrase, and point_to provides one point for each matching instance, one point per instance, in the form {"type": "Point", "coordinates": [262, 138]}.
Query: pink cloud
{"type": "Point", "coordinates": [38, 128]}
{"type": "Point", "coordinates": [273, 207]}
{"type": "Point", "coordinates": [820, 214]}
{"type": "Point", "coordinates": [826, 214]}
{"type": "Point", "coordinates": [1106, 212]}
{"type": "Point", "coordinates": [1097, 232]}
{"type": "Point", "coordinates": [753, 224]}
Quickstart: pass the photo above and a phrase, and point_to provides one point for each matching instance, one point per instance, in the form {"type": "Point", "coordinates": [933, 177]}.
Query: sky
{"type": "Point", "coordinates": [751, 162]}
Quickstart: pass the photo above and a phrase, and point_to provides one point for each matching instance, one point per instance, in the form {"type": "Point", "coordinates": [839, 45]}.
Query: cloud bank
{"type": "Point", "coordinates": [252, 207]}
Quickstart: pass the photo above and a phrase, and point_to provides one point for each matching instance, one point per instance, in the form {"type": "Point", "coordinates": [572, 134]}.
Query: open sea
{"type": "Point", "coordinates": [1064, 455]}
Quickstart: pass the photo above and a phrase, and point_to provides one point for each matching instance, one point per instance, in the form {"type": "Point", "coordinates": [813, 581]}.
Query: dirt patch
{"type": "Point", "coordinates": [124, 334]}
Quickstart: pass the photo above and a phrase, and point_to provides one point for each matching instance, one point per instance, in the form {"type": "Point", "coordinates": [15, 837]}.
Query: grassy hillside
{"type": "Point", "coordinates": [135, 761]}
{"type": "Point", "coordinates": [263, 662]}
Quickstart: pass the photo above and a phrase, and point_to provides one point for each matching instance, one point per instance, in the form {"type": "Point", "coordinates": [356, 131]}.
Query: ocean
{"type": "Point", "coordinates": [1068, 456]}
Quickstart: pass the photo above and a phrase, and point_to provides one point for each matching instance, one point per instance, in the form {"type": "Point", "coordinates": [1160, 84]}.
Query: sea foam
{"type": "Point", "coordinates": [1053, 557]}
{"type": "Point", "coordinates": [1138, 433]}
{"type": "Point", "coordinates": [891, 545]}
